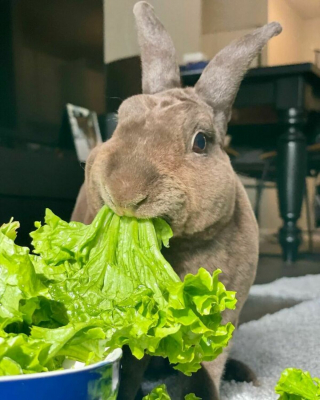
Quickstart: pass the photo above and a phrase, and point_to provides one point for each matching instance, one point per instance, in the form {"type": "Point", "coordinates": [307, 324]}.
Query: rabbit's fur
{"type": "Point", "coordinates": [148, 169]}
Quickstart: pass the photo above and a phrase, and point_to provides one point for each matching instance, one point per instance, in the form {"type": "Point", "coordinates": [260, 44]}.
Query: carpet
{"type": "Point", "coordinates": [288, 338]}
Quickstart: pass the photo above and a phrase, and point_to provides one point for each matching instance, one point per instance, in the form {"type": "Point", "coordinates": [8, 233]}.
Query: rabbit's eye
{"type": "Point", "coordinates": [199, 143]}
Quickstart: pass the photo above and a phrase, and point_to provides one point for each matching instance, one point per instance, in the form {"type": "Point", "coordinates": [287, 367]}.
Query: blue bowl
{"type": "Point", "coordinates": [98, 381]}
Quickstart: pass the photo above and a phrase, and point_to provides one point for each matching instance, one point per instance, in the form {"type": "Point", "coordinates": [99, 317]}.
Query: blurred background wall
{"type": "Point", "coordinates": [209, 25]}
{"type": "Point", "coordinates": [300, 37]}
{"type": "Point", "coordinates": [224, 21]}
{"type": "Point", "coordinates": [182, 18]}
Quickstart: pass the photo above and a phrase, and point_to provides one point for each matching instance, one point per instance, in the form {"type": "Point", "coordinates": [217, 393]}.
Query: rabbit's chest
{"type": "Point", "coordinates": [188, 259]}
{"type": "Point", "coordinates": [236, 257]}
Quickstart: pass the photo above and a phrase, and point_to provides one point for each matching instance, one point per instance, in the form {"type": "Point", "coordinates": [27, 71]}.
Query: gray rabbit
{"type": "Point", "coordinates": [166, 159]}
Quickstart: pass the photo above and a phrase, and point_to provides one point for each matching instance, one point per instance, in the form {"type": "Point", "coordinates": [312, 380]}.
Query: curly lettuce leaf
{"type": "Point", "coordinates": [18, 279]}
{"type": "Point", "coordinates": [10, 229]}
{"type": "Point", "coordinates": [115, 273]}
{"type": "Point", "coordinates": [20, 353]}
{"type": "Point", "coordinates": [104, 285]}
{"type": "Point", "coordinates": [160, 393]}
{"type": "Point", "coordinates": [295, 384]}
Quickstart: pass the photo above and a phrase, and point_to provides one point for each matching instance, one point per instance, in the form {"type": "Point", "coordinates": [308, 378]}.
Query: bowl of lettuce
{"type": "Point", "coordinates": [74, 381]}
{"type": "Point", "coordinates": [85, 291]}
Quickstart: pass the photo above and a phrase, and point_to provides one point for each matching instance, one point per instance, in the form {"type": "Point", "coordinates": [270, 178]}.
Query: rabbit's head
{"type": "Point", "coordinates": [166, 157]}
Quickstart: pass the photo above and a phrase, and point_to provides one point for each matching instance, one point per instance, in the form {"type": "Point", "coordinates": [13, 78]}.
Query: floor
{"type": "Point", "coordinates": [287, 338]}
{"type": "Point", "coordinates": [271, 266]}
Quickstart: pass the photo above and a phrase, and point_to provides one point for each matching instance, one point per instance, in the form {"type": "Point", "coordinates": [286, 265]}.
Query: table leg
{"type": "Point", "coordinates": [291, 176]}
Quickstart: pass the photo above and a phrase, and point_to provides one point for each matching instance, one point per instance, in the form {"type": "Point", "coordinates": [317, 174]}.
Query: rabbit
{"type": "Point", "coordinates": [166, 159]}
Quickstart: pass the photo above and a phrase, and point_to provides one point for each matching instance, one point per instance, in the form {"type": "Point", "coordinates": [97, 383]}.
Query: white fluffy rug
{"type": "Point", "coordinates": [283, 293]}
{"type": "Point", "coordinates": [288, 338]}
{"type": "Point", "coordinates": [300, 289]}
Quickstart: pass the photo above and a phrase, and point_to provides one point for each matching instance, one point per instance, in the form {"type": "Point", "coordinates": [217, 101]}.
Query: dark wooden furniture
{"type": "Point", "coordinates": [48, 58]}
{"type": "Point", "coordinates": [31, 181]}
{"type": "Point", "coordinates": [279, 108]}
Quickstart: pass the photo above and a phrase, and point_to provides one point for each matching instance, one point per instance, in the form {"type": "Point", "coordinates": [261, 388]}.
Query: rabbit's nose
{"type": "Point", "coordinates": [127, 181]}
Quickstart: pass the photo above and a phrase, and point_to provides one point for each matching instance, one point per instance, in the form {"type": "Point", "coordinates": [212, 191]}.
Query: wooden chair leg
{"type": "Point", "coordinates": [310, 232]}
{"type": "Point", "coordinates": [291, 175]}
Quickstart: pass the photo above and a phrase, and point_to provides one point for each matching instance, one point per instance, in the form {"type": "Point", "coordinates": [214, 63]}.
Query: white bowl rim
{"type": "Point", "coordinates": [114, 356]}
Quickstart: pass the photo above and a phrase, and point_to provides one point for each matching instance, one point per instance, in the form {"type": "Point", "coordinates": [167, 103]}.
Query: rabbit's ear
{"type": "Point", "coordinates": [160, 70]}
{"type": "Point", "coordinates": [220, 81]}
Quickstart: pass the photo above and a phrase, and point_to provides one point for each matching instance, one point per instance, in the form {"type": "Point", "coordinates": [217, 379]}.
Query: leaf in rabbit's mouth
{"type": "Point", "coordinates": [167, 218]}
{"type": "Point", "coordinates": [126, 212]}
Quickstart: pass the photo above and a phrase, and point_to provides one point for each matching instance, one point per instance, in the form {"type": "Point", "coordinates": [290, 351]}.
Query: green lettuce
{"type": "Point", "coordinates": [160, 393]}
{"type": "Point", "coordinates": [295, 384]}
{"type": "Point", "coordinates": [88, 288]}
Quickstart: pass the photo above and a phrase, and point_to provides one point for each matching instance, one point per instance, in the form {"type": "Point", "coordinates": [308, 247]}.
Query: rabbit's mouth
{"type": "Point", "coordinates": [167, 218]}
{"type": "Point", "coordinates": [133, 209]}
{"type": "Point", "coordinates": [146, 204]}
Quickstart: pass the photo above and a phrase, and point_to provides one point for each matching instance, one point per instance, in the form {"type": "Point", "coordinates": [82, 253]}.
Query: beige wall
{"type": "Point", "coordinates": [306, 8]}
{"type": "Point", "coordinates": [182, 18]}
{"type": "Point", "coordinates": [212, 43]}
{"type": "Point", "coordinates": [223, 22]}
{"type": "Point", "coordinates": [300, 36]}
{"type": "Point", "coordinates": [289, 46]}
{"type": "Point", "coordinates": [233, 15]}
{"type": "Point", "coordinates": [209, 25]}
{"type": "Point", "coordinates": [312, 38]}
